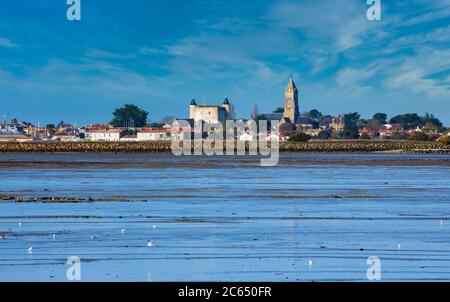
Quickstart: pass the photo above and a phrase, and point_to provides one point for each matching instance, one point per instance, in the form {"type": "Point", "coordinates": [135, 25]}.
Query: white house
{"type": "Point", "coordinates": [246, 137]}
{"type": "Point", "coordinates": [153, 134]}
{"type": "Point", "coordinates": [112, 135]}
{"type": "Point", "coordinates": [66, 137]}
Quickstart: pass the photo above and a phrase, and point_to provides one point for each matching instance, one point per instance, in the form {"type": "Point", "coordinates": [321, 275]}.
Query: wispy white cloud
{"type": "Point", "coordinates": [6, 43]}
{"type": "Point", "coordinates": [102, 54]}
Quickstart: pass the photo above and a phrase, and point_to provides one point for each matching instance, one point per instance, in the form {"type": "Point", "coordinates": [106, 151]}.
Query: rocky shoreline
{"type": "Point", "coordinates": [165, 147]}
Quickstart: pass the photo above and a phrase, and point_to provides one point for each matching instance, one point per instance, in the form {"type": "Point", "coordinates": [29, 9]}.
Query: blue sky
{"type": "Point", "coordinates": [160, 54]}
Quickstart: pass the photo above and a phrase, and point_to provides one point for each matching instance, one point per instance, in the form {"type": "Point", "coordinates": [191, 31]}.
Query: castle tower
{"type": "Point", "coordinates": [192, 108]}
{"type": "Point", "coordinates": [226, 105]}
{"type": "Point", "coordinates": [291, 109]}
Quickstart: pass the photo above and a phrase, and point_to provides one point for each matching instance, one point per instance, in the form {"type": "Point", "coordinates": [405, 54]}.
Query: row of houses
{"type": "Point", "coordinates": [30, 133]}
{"type": "Point", "coordinates": [395, 131]}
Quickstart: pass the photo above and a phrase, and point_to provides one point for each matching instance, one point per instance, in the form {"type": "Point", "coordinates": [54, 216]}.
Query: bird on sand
{"type": "Point", "coordinates": [30, 250]}
{"type": "Point", "coordinates": [310, 263]}
{"type": "Point", "coordinates": [122, 231]}
{"type": "Point", "coordinates": [149, 243]}
{"type": "Point", "coordinates": [54, 237]}
{"type": "Point", "coordinates": [20, 224]}
{"type": "Point", "coordinates": [398, 246]}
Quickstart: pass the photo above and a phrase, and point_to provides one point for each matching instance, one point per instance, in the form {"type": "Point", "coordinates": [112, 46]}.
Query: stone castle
{"type": "Point", "coordinates": [210, 114]}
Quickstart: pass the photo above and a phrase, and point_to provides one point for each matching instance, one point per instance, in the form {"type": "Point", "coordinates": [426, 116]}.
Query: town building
{"type": "Point", "coordinates": [105, 135]}
{"type": "Point", "coordinates": [154, 134]}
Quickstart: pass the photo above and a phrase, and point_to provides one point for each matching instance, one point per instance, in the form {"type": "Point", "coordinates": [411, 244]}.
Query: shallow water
{"type": "Point", "coordinates": [226, 218]}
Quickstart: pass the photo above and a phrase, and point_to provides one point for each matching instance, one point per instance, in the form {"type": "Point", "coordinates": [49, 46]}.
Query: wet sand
{"type": "Point", "coordinates": [224, 219]}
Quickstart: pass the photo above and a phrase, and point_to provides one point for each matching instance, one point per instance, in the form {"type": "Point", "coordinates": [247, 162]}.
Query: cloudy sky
{"type": "Point", "coordinates": [160, 54]}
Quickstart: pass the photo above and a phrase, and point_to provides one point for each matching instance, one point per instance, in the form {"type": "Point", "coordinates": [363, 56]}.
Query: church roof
{"type": "Point", "coordinates": [226, 102]}
{"type": "Point", "coordinates": [291, 85]}
{"type": "Point", "coordinates": [193, 102]}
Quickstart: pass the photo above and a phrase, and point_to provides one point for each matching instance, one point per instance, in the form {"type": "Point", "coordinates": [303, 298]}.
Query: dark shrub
{"type": "Point", "coordinates": [300, 137]}
{"type": "Point", "coordinates": [445, 140]}
{"type": "Point", "coordinates": [364, 136]}
{"type": "Point", "coordinates": [324, 134]}
{"type": "Point", "coordinates": [418, 136]}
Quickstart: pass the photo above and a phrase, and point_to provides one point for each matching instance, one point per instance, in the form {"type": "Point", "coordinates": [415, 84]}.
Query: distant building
{"type": "Point", "coordinates": [111, 135]}
{"type": "Point", "coordinates": [313, 132]}
{"type": "Point", "coordinates": [393, 131]}
{"type": "Point", "coordinates": [153, 134]}
{"type": "Point", "coordinates": [210, 114]}
{"type": "Point", "coordinates": [338, 123]}
{"type": "Point", "coordinates": [66, 137]}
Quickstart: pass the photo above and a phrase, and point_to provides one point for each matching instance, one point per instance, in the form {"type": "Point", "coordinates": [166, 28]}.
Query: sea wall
{"type": "Point", "coordinates": [165, 146]}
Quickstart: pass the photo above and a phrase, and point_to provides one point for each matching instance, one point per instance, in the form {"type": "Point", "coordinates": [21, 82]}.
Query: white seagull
{"type": "Point", "coordinates": [54, 237]}
{"type": "Point", "coordinates": [310, 263]}
{"type": "Point", "coordinates": [20, 224]}
{"type": "Point", "coordinates": [30, 250]}
{"type": "Point", "coordinates": [122, 231]}
{"type": "Point", "coordinates": [398, 247]}
{"type": "Point", "coordinates": [149, 243]}
{"type": "Point", "coordinates": [154, 226]}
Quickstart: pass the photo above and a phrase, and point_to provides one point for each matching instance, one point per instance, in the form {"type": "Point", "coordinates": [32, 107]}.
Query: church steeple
{"type": "Point", "coordinates": [291, 109]}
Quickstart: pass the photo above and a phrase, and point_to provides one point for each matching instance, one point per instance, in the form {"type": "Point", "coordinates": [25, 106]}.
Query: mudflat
{"type": "Point", "coordinates": [224, 218]}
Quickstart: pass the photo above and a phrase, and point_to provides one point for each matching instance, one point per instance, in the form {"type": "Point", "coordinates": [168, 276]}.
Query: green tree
{"type": "Point", "coordinates": [352, 118]}
{"type": "Point", "coordinates": [380, 117]}
{"type": "Point", "coordinates": [349, 132]}
{"type": "Point", "coordinates": [430, 120]}
{"type": "Point", "coordinates": [350, 129]}
{"type": "Point", "coordinates": [315, 115]}
{"type": "Point", "coordinates": [408, 121]}
{"type": "Point", "coordinates": [129, 116]}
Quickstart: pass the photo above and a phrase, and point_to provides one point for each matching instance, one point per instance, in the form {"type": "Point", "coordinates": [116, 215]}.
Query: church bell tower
{"type": "Point", "coordinates": [291, 109]}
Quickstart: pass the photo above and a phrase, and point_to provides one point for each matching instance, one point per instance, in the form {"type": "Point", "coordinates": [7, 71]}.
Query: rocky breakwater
{"type": "Point", "coordinates": [165, 147]}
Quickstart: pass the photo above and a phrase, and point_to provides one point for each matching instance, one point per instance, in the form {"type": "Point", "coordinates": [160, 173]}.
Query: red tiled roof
{"type": "Point", "coordinates": [155, 131]}
{"type": "Point", "coordinates": [105, 131]}
{"type": "Point", "coordinates": [24, 137]}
